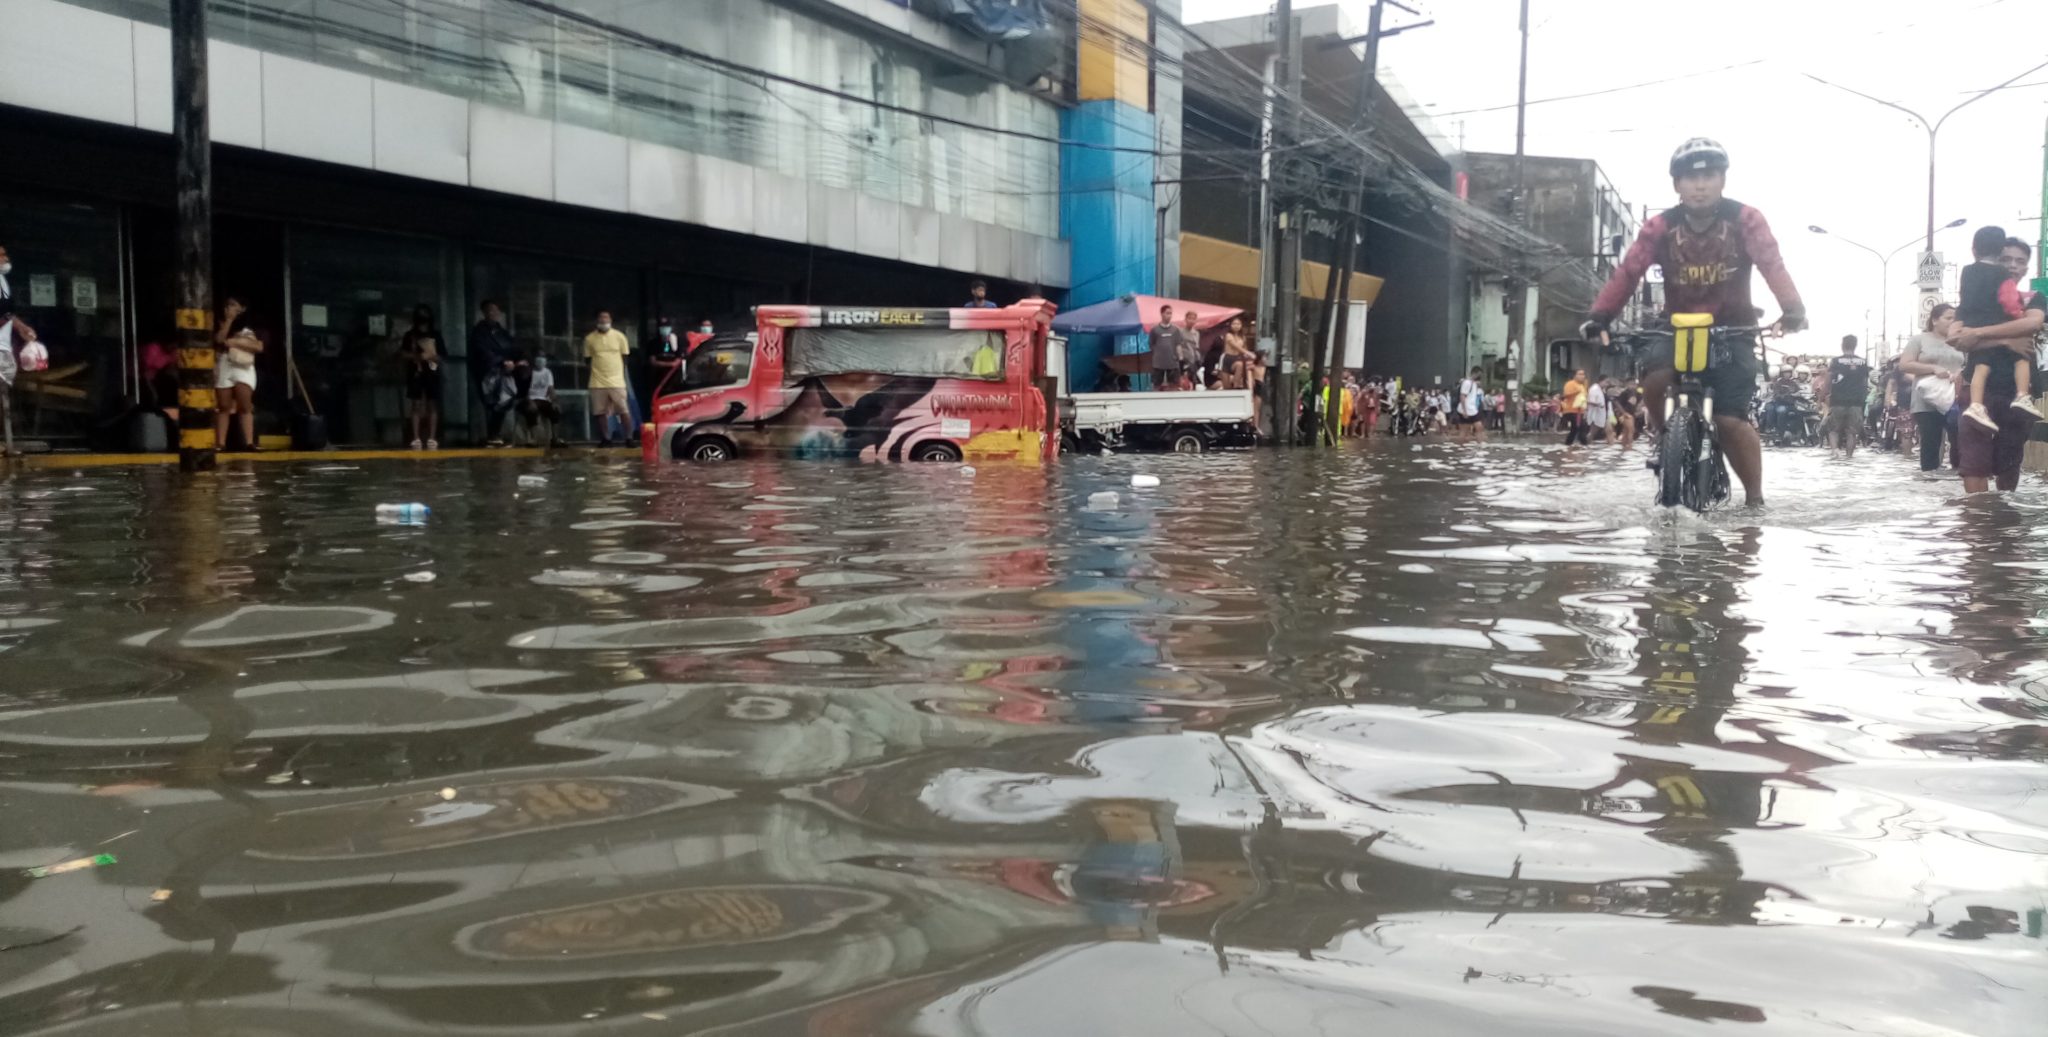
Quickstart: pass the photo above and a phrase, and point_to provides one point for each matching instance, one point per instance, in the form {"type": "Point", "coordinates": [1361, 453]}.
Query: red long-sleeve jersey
{"type": "Point", "coordinates": [1704, 271]}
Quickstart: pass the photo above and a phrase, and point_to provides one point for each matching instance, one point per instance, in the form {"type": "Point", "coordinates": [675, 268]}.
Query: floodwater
{"type": "Point", "coordinates": [1424, 740]}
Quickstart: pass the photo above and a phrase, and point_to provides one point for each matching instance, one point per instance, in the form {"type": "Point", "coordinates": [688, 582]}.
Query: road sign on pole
{"type": "Point", "coordinates": [1931, 269]}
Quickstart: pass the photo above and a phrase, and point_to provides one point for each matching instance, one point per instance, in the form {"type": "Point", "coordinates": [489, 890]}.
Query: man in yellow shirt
{"type": "Point", "coordinates": [1574, 410]}
{"type": "Point", "coordinates": [606, 348]}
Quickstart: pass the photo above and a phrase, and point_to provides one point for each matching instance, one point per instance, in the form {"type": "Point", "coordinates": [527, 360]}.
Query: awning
{"type": "Point", "coordinates": [1224, 262]}
{"type": "Point", "coordinates": [1134, 314]}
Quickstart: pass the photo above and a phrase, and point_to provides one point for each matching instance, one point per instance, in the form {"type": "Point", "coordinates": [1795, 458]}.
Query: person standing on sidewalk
{"type": "Point", "coordinates": [665, 351]}
{"type": "Point", "coordinates": [490, 345]}
{"type": "Point", "coordinates": [1848, 391]}
{"type": "Point", "coordinates": [1573, 410]}
{"type": "Point", "coordinates": [606, 348]}
{"type": "Point", "coordinates": [420, 353]}
{"type": "Point", "coordinates": [1165, 341]}
{"type": "Point", "coordinates": [237, 345]}
{"type": "Point", "coordinates": [1933, 365]}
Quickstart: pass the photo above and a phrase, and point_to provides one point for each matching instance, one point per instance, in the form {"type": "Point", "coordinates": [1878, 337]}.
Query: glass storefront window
{"type": "Point", "coordinates": [352, 297]}
{"type": "Point", "coordinates": [532, 61]}
{"type": "Point", "coordinates": [67, 284]}
{"type": "Point", "coordinates": [550, 304]}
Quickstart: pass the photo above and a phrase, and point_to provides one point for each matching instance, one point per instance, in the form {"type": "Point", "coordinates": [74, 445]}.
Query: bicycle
{"type": "Point", "coordinates": [1691, 470]}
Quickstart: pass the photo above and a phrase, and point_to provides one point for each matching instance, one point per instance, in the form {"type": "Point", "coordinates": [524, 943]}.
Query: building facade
{"type": "Point", "coordinates": [1572, 205]}
{"type": "Point", "coordinates": [1408, 272]}
{"type": "Point", "coordinates": [688, 158]}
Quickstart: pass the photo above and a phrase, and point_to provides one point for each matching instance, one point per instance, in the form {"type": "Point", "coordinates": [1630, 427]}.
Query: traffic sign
{"type": "Point", "coordinates": [1931, 269]}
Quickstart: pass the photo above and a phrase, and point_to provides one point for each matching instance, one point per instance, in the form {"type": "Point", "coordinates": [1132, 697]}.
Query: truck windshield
{"type": "Point", "coordinates": [714, 364]}
{"type": "Point", "coordinates": [932, 352]}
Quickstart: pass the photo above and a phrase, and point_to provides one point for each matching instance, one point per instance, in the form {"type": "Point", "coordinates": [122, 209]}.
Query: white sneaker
{"type": "Point", "coordinates": [1976, 412]}
{"type": "Point", "coordinates": [432, 445]}
{"type": "Point", "coordinates": [415, 444]}
{"type": "Point", "coordinates": [2026, 404]}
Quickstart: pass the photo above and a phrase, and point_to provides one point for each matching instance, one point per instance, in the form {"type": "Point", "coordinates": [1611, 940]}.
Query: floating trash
{"type": "Point", "coordinates": [96, 861]}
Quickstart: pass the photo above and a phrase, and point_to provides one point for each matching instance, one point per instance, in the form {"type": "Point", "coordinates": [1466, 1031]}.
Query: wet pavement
{"type": "Point", "coordinates": [1439, 740]}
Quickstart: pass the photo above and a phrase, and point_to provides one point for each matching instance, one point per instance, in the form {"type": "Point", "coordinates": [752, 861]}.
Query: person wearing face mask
{"type": "Point", "coordinates": [665, 353]}
{"type": "Point", "coordinates": [420, 353]}
{"type": "Point", "coordinates": [606, 348]}
{"type": "Point", "coordinates": [490, 346]}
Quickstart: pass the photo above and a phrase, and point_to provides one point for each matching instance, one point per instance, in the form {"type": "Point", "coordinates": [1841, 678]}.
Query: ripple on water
{"type": "Point", "coordinates": [1296, 743]}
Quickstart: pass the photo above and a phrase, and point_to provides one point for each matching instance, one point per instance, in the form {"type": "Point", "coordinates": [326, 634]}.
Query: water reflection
{"type": "Point", "coordinates": [1445, 741]}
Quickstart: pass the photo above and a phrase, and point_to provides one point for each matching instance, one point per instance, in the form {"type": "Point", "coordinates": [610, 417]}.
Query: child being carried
{"type": "Point", "coordinates": [1990, 297]}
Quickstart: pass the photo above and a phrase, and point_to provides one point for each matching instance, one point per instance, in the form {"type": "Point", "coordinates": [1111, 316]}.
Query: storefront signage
{"type": "Point", "coordinates": [883, 318]}
{"type": "Point", "coordinates": [670, 920]}
{"type": "Point", "coordinates": [85, 294]}
{"type": "Point", "coordinates": [42, 289]}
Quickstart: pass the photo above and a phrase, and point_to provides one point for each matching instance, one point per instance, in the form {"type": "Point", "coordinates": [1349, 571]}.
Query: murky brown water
{"type": "Point", "coordinates": [1439, 741]}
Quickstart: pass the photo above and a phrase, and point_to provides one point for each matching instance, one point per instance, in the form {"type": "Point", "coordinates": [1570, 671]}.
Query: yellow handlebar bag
{"type": "Point", "coordinates": [1689, 341]}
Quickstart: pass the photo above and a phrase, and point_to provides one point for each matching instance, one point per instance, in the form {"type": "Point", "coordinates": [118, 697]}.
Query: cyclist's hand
{"type": "Point", "coordinates": [1790, 323]}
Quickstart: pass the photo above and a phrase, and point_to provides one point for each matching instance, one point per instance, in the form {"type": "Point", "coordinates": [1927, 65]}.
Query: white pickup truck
{"type": "Point", "coordinates": [1183, 422]}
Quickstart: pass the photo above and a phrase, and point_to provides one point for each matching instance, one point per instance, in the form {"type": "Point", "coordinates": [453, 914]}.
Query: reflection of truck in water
{"type": "Point", "coordinates": [864, 383]}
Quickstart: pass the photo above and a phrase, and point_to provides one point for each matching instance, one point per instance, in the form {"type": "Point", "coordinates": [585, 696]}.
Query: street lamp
{"type": "Point", "coordinates": [1932, 128]}
{"type": "Point", "coordinates": [1884, 260]}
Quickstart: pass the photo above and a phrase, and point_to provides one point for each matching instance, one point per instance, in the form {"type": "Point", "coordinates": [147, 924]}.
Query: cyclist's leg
{"type": "Point", "coordinates": [1656, 385]}
{"type": "Point", "coordinates": [1734, 385]}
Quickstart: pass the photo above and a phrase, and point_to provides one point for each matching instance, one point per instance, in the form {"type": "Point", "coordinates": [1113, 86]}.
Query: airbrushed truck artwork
{"type": "Point", "coordinates": [864, 383]}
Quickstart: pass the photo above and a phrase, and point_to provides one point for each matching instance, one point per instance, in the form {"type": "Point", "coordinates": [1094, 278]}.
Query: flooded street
{"type": "Point", "coordinates": [1436, 740]}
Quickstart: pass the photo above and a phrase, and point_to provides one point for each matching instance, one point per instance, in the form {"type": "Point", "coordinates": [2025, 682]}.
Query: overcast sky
{"type": "Point", "coordinates": [1802, 152]}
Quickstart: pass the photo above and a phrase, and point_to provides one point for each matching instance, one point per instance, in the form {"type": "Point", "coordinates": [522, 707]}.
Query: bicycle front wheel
{"type": "Point", "coordinates": [1710, 484]}
{"type": "Point", "coordinates": [1674, 456]}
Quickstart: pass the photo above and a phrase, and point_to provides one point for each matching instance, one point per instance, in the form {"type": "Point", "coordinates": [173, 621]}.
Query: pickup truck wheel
{"type": "Point", "coordinates": [710, 450]}
{"type": "Point", "coordinates": [1188, 441]}
{"type": "Point", "coordinates": [940, 451]}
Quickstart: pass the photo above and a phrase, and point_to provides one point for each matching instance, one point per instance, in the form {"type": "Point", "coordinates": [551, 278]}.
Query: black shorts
{"type": "Point", "coordinates": [424, 385]}
{"type": "Point", "coordinates": [1730, 374]}
{"type": "Point", "coordinates": [1998, 358]}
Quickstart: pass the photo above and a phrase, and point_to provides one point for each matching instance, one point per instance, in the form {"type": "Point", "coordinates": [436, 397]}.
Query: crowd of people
{"type": "Point", "coordinates": [1587, 410]}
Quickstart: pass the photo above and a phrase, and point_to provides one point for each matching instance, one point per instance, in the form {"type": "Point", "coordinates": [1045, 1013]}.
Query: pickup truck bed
{"type": "Point", "coordinates": [1099, 410]}
{"type": "Point", "coordinates": [1184, 422]}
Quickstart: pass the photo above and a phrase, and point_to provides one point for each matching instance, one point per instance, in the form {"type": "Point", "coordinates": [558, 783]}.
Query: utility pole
{"type": "Point", "coordinates": [1338, 296]}
{"type": "Point", "coordinates": [1518, 296]}
{"type": "Point", "coordinates": [2041, 253]}
{"type": "Point", "coordinates": [193, 134]}
{"type": "Point", "coordinates": [1262, 314]}
{"type": "Point", "coordinates": [1287, 281]}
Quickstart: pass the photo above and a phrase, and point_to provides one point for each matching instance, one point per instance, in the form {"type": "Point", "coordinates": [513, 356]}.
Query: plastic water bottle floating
{"type": "Point", "coordinates": [407, 514]}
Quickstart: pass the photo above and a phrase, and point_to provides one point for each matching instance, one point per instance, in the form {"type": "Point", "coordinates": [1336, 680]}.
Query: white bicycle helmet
{"type": "Point", "coordinates": [1697, 154]}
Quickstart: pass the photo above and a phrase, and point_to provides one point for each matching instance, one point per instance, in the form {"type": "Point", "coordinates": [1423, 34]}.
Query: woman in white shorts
{"type": "Point", "coordinates": [234, 374]}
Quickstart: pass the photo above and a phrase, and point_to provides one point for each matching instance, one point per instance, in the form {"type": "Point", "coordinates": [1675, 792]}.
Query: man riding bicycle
{"type": "Point", "coordinates": [1706, 245]}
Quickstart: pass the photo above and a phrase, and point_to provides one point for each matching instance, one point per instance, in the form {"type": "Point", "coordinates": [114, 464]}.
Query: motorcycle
{"type": "Point", "coordinates": [1791, 419]}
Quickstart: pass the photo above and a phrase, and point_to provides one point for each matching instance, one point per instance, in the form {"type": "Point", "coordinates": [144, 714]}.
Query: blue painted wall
{"type": "Point", "coordinates": [1106, 215]}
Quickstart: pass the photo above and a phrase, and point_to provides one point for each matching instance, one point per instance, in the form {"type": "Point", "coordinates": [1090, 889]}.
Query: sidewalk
{"type": "Point", "coordinates": [270, 456]}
